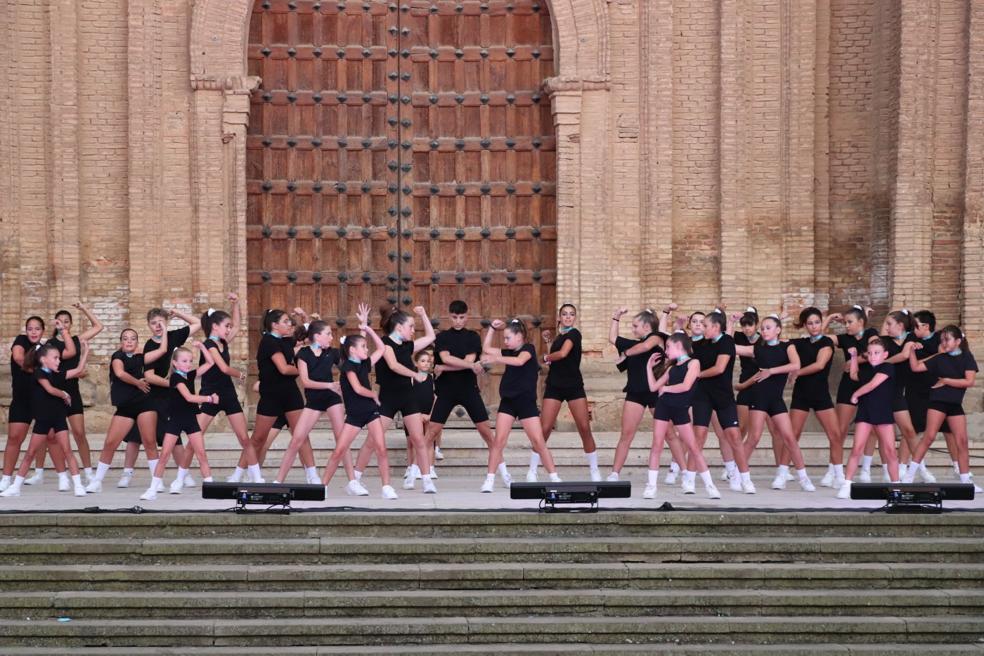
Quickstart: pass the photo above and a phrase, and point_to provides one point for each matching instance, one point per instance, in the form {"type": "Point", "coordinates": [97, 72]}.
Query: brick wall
{"type": "Point", "coordinates": [762, 151]}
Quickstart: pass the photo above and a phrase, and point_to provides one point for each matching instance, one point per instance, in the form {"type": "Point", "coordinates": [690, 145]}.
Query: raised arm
{"type": "Point", "coordinates": [236, 316]}
{"type": "Point", "coordinates": [429, 336]}
{"type": "Point", "coordinates": [664, 318]}
{"type": "Point", "coordinates": [96, 326]}
{"type": "Point", "coordinates": [489, 352]}
{"type": "Point", "coordinates": [613, 329]}
{"type": "Point", "coordinates": [194, 323]}
{"type": "Point", "coordinates": [66, 338]}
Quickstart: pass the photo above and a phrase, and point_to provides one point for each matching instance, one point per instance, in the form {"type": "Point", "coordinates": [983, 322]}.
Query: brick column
{"type": "Point", "coordinates": [973, 233]}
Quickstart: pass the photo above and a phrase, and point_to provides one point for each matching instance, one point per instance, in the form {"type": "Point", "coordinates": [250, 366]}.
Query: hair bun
{"type": "Point", "coordinates": [752, 309]}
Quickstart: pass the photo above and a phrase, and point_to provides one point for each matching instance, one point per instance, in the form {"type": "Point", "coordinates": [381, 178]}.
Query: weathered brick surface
{"type": "Point", "coordinates": [744, 151]}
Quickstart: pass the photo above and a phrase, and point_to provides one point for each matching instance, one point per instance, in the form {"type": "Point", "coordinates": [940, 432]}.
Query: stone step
{"type": "Point", "coordinates": [213, 604]}
{"type": "Point", "coordinates": [832, 648]}
{"type": "Point", "coordinates": [483, 525]}
{"type": "Point", "coordinates": [469, 550]}
{"type": "Point", "coordinates": [492, 576]}
{"type": "Point", "coordinates": [183, 578]}
{"type": "Point", "coordinates": [490, 630]}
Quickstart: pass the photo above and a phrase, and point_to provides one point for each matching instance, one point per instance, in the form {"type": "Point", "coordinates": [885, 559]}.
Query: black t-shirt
{"type": "Point", "coordinates": [903, 373]}
{"type": "Point", "coordinates": [21, 382]}
{"type": "Point", "coordinates": [458, 343]}
{"type": "Point", "coordinates": [121, 393]}
{"type": "Point", "coordinates": [389, 381]}
{"type": "Point", "coordinates": [708, 353]}
{"type": "Point", "coordinates": [847, 341]}
{"type": "Point", "coordinates": [881, 396]}
{"type": "Point", "coordinates": [43, 403]}
{"type": "Point", "coordinates": [319, 370]}
{"type": "Point", "coordinates": [356, 403]}
{"type": "Point", "coordinates": [638, 382]}
{"type": "Point", "coordinates": [213, 380]}
{"type": "Point", "coordinates": [519, 382]}
{"type": "Point", "coordinates": [162, 365]}
{"type": "Point", "coordinates": [566, 373]}
{"type": "Point", "coordinates": [71, 384]}
{"type": "Point", "coordinates": [270, 377]}
{"type": "Point", "coordinates": [920, 382]}
{"type": "Point", "coordinates": [423, 394]}
{"type": "Point", "coordinates": [748, 366]}
{"type": "Point", "coordinates": [177, 405]}
{"type": "Point", "coordinates": [945, 365]}
{"type": "Point", "coordinates": [768, 356]}
{"type": "Point", "coordinates": [678, 373]}
{"type": "Point", "coordinates": [808, 351]}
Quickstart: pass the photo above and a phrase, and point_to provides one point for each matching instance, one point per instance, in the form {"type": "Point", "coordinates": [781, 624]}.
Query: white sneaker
{"type": "Point", "coordinates": [38, 479]}
{"type": "Point", "coordinates": [234, 478]}
{"type": "Point", "coordinates": [64, 483]}
{"type": "Point", "coordinates": [748, 487]}
{"type": "Point", "coordinates": [595, 475]}
{"type": "Point", "coordinates": [506, 478]}
{"type": "Point", "coordinates": [80, 490]}
{"type": "Point", "coordinates": [687, 485]}
{"type": "Point", "coordinates": [828, 479]}
{"type": "Point", "coordinates": [416, 472]}
{"type": "Point", "coordinates": [977, 488]}
{"type": "Point", "coordinates": [389, 492]}
{"type": "Point", "coordinates": [649, 492]}
{"type": "Point", "coordinates": [434, 472]}
{"type": "Point", "coordinates": [839, 480]}
{"type": "Point", "coordinates": [885, 477]}
{"type": "Point", "coordinates": [670, 478]}
{"type": "Point", "coordinates": [124, 479]}
{"type": "Point", "coordinates": [94, 487]}
{"type": "Point", "coordinates": [408, 481]}
{"type": "Point", "coordinates": [488, 485]}
{"type": "Point", "coordinates": [5, 483]}
{"type": "Point", "coordinates": [310, 479]}
{"type": "Point", "coordinates": [356, 489]}
{"type": "Point", "coordinates": [725, 476]}
{"type": "Point", "coordinates": [613, 477]}
{"type": "Point", "coordinates": [807, 485]}
{"type": "Point", "coordinates": [734, 483]}
{"type": "Point", "coordinates": [712, 491]}
{"type": "Point", "coordinates": [429, 486]}
{"type": "Point", "coordinates": [176, 486]}
{"type": "Point", "coordinates": [779, 482]}
{"type": "Point", "coordinates": [531, 476]}
{"type": "Point", "coordinates": [13, 491]}
{"type": "Point", "coordinates": [926, 476]}
{"type": "Point", "coordinates": [150, 494]}
{"type": "Point", "coordinates": [864, 475]}
{"type": "Point", "coordinates": [910, 477]}
{"type": "Point", "coordinates": [845, 491]}
{"type": "Point", "coordinates": [437, 453]}
{"type": "Point", "coordinates": [190, 482]}
{"type": "Point", "coordinates": [258, 481]}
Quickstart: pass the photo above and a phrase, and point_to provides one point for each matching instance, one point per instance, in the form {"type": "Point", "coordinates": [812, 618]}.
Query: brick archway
{"type": "Point", "coordinates": [218, 42]}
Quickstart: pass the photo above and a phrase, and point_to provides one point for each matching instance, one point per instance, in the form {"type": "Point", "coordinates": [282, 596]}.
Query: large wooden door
{"type": "Point", "coordinates": [401, 152]}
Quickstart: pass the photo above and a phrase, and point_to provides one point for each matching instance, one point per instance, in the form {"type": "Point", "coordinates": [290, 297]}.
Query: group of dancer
{"type": "Point", "coordinates": [908, 375]}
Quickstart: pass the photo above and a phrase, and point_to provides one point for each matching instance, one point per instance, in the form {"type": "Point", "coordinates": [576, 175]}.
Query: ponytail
{"type": "Point", "coordinates": [805, 315]}
{"type": "Point", "coordinates": [271, 317]}
{"type": "Point", "coordinates": [32, 359]}
{"type": "Point", "coordinates": [390, 318]}
{"type": "Point", "coordinates": [517, 327]}
{"type": "Point", "coordinates": [955, 332]}
{"type": "Point", "coordinates": [314, 328]}
{"type": "Point", "coordinates": [348, 341]}
{"type": "Point", "coordinates": [212, 317]}
{"type": "Point", "coordinates": [903, 317]}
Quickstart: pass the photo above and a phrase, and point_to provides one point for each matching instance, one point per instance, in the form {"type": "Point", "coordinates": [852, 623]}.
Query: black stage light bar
{"type": "Point", "coordinates": [266, 494]}
{"type": "Point", "coordinates": [913, 497]}
{"type": "Point", "coordinates": [552, 494]}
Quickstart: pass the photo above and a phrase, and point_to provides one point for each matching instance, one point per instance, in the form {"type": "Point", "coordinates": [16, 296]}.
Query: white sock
{"type": "Point", "coordinates": [39, 471]}
{"type": "Point", "coordinates": [746, 477]}
{"type": "Point", "coordinates": [156, 482]}
{"type": "Point", "coordinates": [534, 461]}
{"type": "Point", "coordinates": [358, 475]}
{"type": "Point", "coordinates": [592, 459]}
{"type": "Point", "coordinates": [782, 470]}
{"type": "Point", "coordinates": [689, 475]}
{"type": "Point", "coordinates": [426, 478]}
{"type": "Point", "coordinates": [207, 479]}
{"type": "Point", "coordinates": [555, 477]}
{"type": "Point", "coordinates": [128, 470]}
{"type": "Point", "coordinates": [838, 470]}
{"type": "Point", "coordinates": [101, 470]}
{"type": "Point", "coordinates": [182, 473]}
{"type": "Point", "coordinates": [238, 472]}
{"type": "Point", "coordinates": [801, 474]}
{"type": "Point", "coordinates": [502, 469]}
{"type": "Point", "coordinates": [964, 478]}
{"type": "Point", "coordinates": [654, 476]}
{"type": "Point", "coordinates": [956, 466]}
{"type": "Point", "coordinates": [490, 477]}
{"type": "Point", "coordinates": [152, 464]}
{"type": "Point", "coordinates": [5, 479]}
{"type": "Point", "coordinates": [885, 469]}
{"type": "Point", "coordinates": [77, 479]}
{"type": "Point", "coordinates": [920, 465]}
{"type": "Point", "coordinates": [830, 468]}
{"type": "Point", "coordinates": [866, 462]}
{"type": "Point", "coordinates": [254, 472]}
{"type": "Point", "coordinates": [62, 474]}
{"type": "Point", "coordinates": [706, 478]}
{"type": "Point", "coordinates": [88, 472]}
{"type": "Point", "coordinates": [311, 471]}
{"type": "Point", "coordinates": [674, 467]}
{"type": "Point", "coordinates": [19, 481]}
{"type": "Point", "coordinates": [731, 466]}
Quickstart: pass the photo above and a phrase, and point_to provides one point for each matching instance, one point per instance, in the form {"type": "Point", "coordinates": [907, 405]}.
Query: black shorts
{"type": "Point", "coordinates": [899, 404]}
{"type": "Point", "coordinates": [678, 414]}
{"type": "Point", "coordinates": [135, 408]}
{"type": "Point", "coordinates": [564, 393]}
{"type": "Point", "coordinates": [50, 422]}
{"type": "Point", "coordinates": [722, 404]}
{"type": "Point", "coordinates": [469, 398]}
{"type": "Point", "coordinates": [228, 403]}
{"type": "Point", "coordinates": [20, 411]}
{"type": "Point", "coordinates": [159, 404]}
{"type": "Point", "coordinates": [745, 397]}
{"type": "Point", "coordinates": [772, 405]}
{"type": "Point", "coordinates": [279, 401]}
{"type": "Point", "coordinates": [280, 423]}
{"type": "Point", "coordinates": [846, 389]}
{"type": "Point", "coordinates": [360, 419]}
{"type": "Point", "coordinates": [75, 408]}
{"type": "Point", "coordinates": [816, 402]}
{"type": "Point", "coordinates": [321, 400]}
{"type": "Point", "coordinates": [918, 406]}
{"type": "Point", "coordinates": [878, 416]}
{"type": "Point", "coordinates": [948, 409]}
{"type": "Point", "coordinates": [402, 402]}
{"type": "Point", "coordinates": [521, 408]}
{"type": "Point", "coordinates": [186, 424]}
{"type": "Point", "coordinates": [645, 400]}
